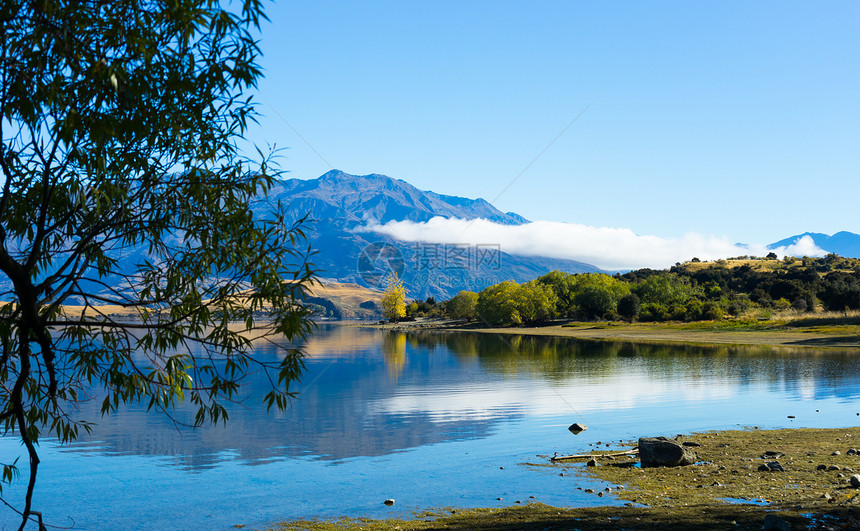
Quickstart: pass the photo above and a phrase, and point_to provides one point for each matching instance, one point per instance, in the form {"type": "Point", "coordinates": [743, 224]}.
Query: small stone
{"type": "Point", "coordinates": [851, 451]}
{"type": "Point", "coordinates": [847, 469]}
{"type": "Point", "coordinates": [837, 452]}
{"type": "Point", "coordinates": [600, 494]}
{"type": "Point", "coordinates": [591, 462]}
{"type": "Point", "coordinates": [576, 428]}
{"type": "Point", "coordinates": [791, 416]}
{"type": "Point", "coordinates": [764, 468]}
{"type": "Point", "coordinates": [855, 481]}
{"type": "Point", "coordinates": [690, 443]}
{"type": "Point", "coordinates": [389, 501]}
{"type": "Point", "coordinates": [775, 466]}
{"type": "Point", "coordinates": [833, 468]}
{"type": "Point", "coordinates": [772, 454]}
{"type": "Point", "coordinates": [588, 491]}
{"type": "Point", "coordinates": [501, 468]}
{"type": "Point", "coordinates": [561, 473]}
{"type": "Point", "coordinates": [826, 496]}
{"type": "Point", "coordinates": [821, 467]}
{"type": "Point", "coordinates": [499, 499]}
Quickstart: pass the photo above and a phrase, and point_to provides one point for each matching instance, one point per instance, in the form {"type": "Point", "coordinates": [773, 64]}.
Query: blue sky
{"type": "Point", "coordinates": [739, 120]}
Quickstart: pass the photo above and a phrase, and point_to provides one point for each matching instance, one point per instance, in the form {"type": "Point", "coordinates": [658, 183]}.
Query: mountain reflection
{"type": "Point", "coordinates": [369, 392]}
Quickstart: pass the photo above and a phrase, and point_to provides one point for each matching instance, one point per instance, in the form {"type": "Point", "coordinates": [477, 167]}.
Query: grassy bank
{"type": "Point", "coordinates": [806, 331]}
{"type": "Point", "coordinates": [726, 490]}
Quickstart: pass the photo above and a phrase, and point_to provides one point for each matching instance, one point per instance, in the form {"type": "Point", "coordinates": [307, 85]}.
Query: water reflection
{"type": "Point", "coordinates": [371, 392]}
{"type": "Point", "coordinates": [556, 359]}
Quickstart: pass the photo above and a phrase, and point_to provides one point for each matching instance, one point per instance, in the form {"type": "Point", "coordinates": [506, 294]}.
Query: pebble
{"type": "Point", "coordinates": [389, 501]}
{"type": "Point", "coordinates": [821, 467]}
{"type": "Point", "coordinates": [833, 468]}
{"type": "Point", "coordinates": [837, 452]}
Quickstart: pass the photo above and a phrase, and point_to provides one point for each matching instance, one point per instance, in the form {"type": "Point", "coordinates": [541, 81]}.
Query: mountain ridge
{"type": "Point", "coordinates": [843, 243]}
{"type": "Point", "coordinates": [339, 205]}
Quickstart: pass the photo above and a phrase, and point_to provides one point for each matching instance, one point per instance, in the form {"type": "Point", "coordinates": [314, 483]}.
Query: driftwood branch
{"type": "Point", "coordinates": [593, 456]}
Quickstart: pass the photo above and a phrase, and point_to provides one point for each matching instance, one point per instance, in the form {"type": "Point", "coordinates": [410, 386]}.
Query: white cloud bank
{"type": "Point", "coordinates": [607, 248]}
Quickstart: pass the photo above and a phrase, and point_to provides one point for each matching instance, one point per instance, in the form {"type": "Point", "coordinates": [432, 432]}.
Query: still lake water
{"type": "Point", "coordinates": [429, 419]}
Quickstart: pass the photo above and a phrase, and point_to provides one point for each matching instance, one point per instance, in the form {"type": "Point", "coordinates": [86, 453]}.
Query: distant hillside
{"type": "Point", "coordinates": [842, 243]}
{"type": "Point", "coordinates": [339, 203]}
{"type": "Point", "coordinates": [346, 301]}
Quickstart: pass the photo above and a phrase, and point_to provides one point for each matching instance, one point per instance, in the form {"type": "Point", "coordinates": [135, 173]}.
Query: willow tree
{"type": "Point", "coordinates": [124, 191]}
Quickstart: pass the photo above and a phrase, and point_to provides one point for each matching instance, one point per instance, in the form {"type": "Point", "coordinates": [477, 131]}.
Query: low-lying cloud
{"type": "Point", "coordinates": [607, 248]}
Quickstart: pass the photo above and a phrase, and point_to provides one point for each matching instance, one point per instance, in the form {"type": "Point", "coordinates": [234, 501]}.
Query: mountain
{"type": "Point", "coordinates": [363, 198]}
{"type": "Point", "coordinates": [339, 205]}
{"type": "Point", "coordinates": [843, 243]}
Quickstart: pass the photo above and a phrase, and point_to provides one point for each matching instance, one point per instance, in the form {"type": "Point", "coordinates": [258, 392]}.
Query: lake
{"type": "Point", "coordinates": [429, 419]}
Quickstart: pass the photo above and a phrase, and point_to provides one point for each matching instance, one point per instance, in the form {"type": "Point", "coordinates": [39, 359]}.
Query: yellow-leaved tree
{"type": "Point", "coordinates": [394, 300]}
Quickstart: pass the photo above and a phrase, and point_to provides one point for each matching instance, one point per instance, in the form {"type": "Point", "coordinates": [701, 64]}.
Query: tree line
{"type": "Point", "coordinates": [693, 291]}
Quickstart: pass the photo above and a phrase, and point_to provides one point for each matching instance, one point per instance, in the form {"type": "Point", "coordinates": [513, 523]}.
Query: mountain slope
{"type": "Point", "coordinates": [843, 243]}
{"type": "Point", "coordinates": [363, 198]}
{"type": "Point", "coordinates": [338, 204]}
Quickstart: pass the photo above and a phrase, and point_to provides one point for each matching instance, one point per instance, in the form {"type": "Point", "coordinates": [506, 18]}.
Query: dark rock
{"type": "Point", "coordinates": [821, 467]}
{"type": "Point", "coordinates": [791, 416]}
{"type": "Point", "coordinates": [690, 444]}
{"type": "Point", "coordinates": [851, 451]}
{"type": "Point", "coordinates": [772, 454]}
{"type": "Point", "coordinates": [773, 522]}
{"type": "Point", "coordinates": [389, 501]}
{"type": "Point", "coordinates": [855, 481]}
{"type": "Point", "coordinates": [660, 451]}
{"type": "Point", "coordinates": [774, 466]}
{"type": "Point", "coordinates": [763, 468]}
{"type": "Point", "coordinates": [833, 468]}
{"type": "Point", "coordinates": [576, 428]}
{"type": "Point", "coordinates": [591, 462]}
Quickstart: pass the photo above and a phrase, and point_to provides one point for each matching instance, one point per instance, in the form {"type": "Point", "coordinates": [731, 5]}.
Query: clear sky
{"type": "Point", "coordinates": [733, 119]}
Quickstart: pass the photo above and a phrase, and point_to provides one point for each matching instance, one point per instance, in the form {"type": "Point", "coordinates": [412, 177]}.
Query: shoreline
{"type": "Point", "coordinates": [725, 489]}
{"type": "Point", "coordinates": [813, 336]}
